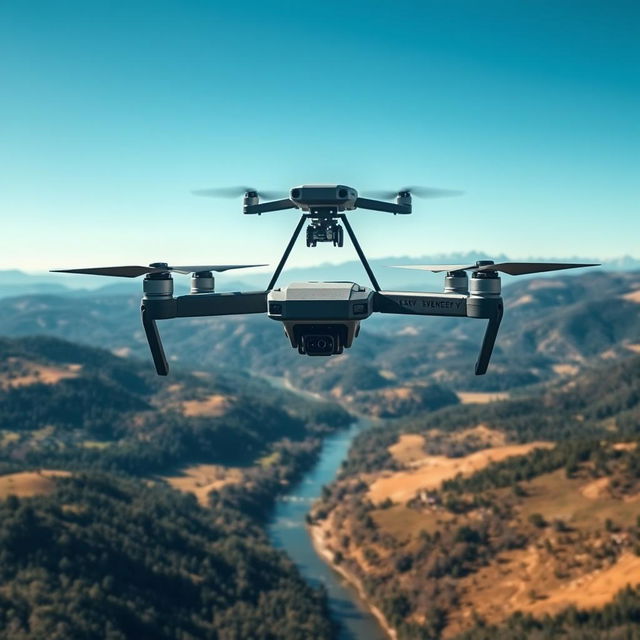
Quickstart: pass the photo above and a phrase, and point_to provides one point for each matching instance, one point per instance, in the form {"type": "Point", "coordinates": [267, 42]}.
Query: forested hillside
{"type": "Point", "coordinates": [95, 544]}
{"type": "Point", "coordinates": [552, 326]}
{"type": "Point", "coordinates": [75, 406]}
{"type": "Point", "coordinates": [106, 557]}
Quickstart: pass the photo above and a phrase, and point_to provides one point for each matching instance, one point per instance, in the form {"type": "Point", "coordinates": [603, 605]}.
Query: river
{"type": "Point", "coordinates": [287, 531]}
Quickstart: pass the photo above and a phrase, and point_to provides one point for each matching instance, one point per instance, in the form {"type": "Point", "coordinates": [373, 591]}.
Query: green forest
{"type": "Point", "coordinates": [113, 552]}
{"type": "Point", "coordinates": [107, 557]}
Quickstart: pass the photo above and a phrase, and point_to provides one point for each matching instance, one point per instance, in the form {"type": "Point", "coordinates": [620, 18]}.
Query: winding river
{"type": "Point", "coordinates": [287, 531]}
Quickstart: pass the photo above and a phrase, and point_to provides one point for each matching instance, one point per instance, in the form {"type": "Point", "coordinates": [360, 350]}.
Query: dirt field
{"type": "Point", "coordinates": [478, 397]}
{"type": "Point", "coordinates": [214, 406]}
{"type": "Point", "coordinates": [524, 582]}
{"type": "Point", "coordinates": [202, 479]}
{"type": "Point", "coordinates": [482, 434]}
{"type": "Point", "coordinates": [581, 504]}
{"type": "Point", "coordinates": [432, 471]}
{"type": "Point", "coordinates": [29, 483]}
{"type": "Point", "coordinates": [410, 448]}
{"type": "Point", "coordinates": [31, 373]}
{"type": "Point", "coordinates": [565, 369]}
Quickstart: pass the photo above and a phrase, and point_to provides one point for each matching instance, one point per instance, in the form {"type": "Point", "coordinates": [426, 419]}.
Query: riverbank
{"type": "Point", "coordinates": [317, 533]}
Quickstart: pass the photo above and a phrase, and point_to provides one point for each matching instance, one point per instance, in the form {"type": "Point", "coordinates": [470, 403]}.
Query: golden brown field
{"type": "Point", "coordinates": [32, 373]}
{"type": "Point", "coordinates": [478, 397]}
{"type": "Point", "coordinates": [202, 479]}
{"type": "Point", "coordinates": [29, 483]}
{"type": "Point", "coordinates": [431, 471]}
{"type": "Point", "coordinates": [213, 406]}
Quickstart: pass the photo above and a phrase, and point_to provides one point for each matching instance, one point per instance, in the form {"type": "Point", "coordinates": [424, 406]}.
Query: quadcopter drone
{"type": "Point", "coordinates": [323, 318]}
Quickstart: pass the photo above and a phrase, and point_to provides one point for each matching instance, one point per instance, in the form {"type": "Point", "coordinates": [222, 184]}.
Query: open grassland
{"type": "Point", "coordinates": [22, 373]}
{"type": "Point", "coordinates": [212, 406]}
{"type": "Point", "coordinates": [431, 471]}
{"type": "Point", "coordinates": [7, 437]}
{"type": "Point", "coordinates": [202, 479]}
{"type": "Point", "coordinates": [525, 580]}
{"type": "Point", "coordinates": [29, 483]}
{"type": "Point", "coordinates": [581, 504]}
{"type": "Point", "coordinates": [633, 296]}
{"type": "Point", "coordinates": [565, 369]}
{"type": "Point", "coordinates": [406, 524]}
{"type": "Point", "coordinates": [561, 567]}
{"type": "Point", "coordinates": [479, 397]}
{"type": "Point", "coordinates": [411, 448]}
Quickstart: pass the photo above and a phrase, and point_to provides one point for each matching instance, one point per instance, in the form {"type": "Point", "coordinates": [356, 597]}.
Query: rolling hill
{"type": "Point", "coordinates": [553, 326]}
{"type": "Point", "coordinates": [501, 520]}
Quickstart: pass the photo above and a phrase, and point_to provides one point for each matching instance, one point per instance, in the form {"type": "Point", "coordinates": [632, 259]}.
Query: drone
{"type": "Point", "coordinates": [323, 318]}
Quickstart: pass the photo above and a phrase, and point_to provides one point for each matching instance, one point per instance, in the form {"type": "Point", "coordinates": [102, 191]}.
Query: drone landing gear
{"type": "Point", "coordinates": [318, 229]}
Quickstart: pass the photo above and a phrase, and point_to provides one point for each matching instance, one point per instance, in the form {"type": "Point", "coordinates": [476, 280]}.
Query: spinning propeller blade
{"type": "Point", "coordinates": [511, 268]}
{"type": "Point", "coordinates": [417, 191]}
{"type": "Point", "coordinates": [236, 192]}
{"type": "Point", "coordinates": [135, 271]}
{"type": "Point", "coordinates": [436, 268]}
{"type": "Point", "coordinates": [212, 267]}
{"type": "Point", "coordinates": [120, 272]}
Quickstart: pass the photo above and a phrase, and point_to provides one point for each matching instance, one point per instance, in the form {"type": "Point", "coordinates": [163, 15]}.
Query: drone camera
{"type": "Point", "coordinates": [320, 318]}
{"type": "Point", "coordinates": [325, 230]}
{"type": "Point", "coordinates": [320, 339]}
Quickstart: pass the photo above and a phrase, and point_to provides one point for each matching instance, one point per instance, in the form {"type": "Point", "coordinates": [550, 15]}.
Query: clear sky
{"type": "Point", "coordinates": [112, 111]}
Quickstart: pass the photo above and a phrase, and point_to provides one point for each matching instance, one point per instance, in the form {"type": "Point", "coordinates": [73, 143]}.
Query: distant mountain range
{"type": "Point", "coordinates": [15, 283]}
{"type": "Point", "coordinates": [553, 326]}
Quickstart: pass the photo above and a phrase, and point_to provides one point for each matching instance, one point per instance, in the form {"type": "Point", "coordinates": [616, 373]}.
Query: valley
{"type": "Point", "coordinates": [461, 494]}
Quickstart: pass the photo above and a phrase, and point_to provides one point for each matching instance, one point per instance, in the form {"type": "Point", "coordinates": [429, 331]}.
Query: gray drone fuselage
{"type": "Point", "coordinates": [315, 197]}
{"type": "Point", "coordinates": [326, 315]}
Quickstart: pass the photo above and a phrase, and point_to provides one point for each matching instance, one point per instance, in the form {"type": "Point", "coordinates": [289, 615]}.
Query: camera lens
{"type": "Point", "coordinates": [319, 345]}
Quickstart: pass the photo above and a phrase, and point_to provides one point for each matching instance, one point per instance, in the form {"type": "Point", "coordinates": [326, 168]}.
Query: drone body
{"type": "Point", "coordinates": [323, 318]}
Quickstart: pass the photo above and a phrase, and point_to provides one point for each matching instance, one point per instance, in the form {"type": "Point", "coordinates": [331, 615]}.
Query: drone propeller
{"type": "Point", "coordinates": [235, 192]}
{"type": "Point", "coordinates": [511, 268]}
{"type": "Point", "coordinates": [135, 271]}
{"type": "Point", "coordinates": [418, 192]}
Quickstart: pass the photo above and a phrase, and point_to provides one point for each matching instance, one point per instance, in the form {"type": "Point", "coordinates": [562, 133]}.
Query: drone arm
{"type": "Point", "coordinates": [194, 305]}
{"type": "Point", "coordinates": [266, 207]}
{"type": "Point", "coordinates": [221, 304]}
{"type": "Point", "coordinates": [447, 304]}
{"type": "Point", "coordinates": [422, 304]}
{"type": "Point", "coordinates": [155, 343]}
{"type": "Point", "coordinates": [380, 205]}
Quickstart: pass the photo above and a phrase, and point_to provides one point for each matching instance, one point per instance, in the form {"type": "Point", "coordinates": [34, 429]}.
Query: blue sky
{"type": "Point", "coordinates": [111, 112]}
